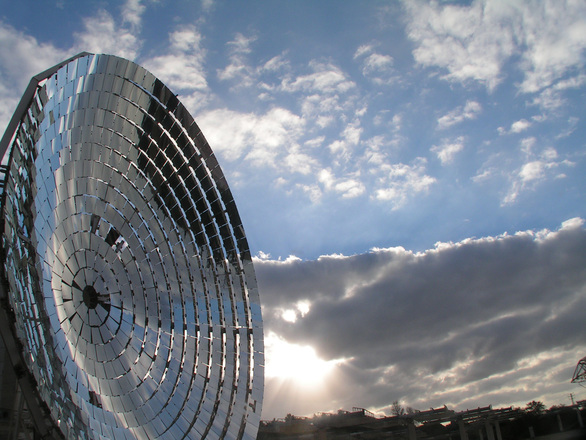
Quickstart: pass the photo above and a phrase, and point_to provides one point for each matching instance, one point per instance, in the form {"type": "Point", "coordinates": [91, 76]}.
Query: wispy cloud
{"type": "Point", "coordinates": [21, 57]}
{"type": "Point", "coordinates": [325, 78]}
{"type": "Point", "coordinates": [132, 12]}
{"type": "Point", "coordinates": [398, 181]}
{"type": "Point", "coordinates": [470, 110]}
{"type": "Point", "coordinates": [536, 168]}
{"type": "Point", "coordinates": [182, 67]}
{"type": "Point", "coordinates": [342, 149]}
{"type": "Point", "coordinates": [103, 33]}
{"type": "Point", "coordinates": [552, 97]}
{"type": "Point", "coordinates": [347, 187]}
{"type": "Point", "coordinates": [207, 5]}
{"type": "Point", "coordinates": [520, 125]}
{"type": "Point", "coordinates": [375, 66]}
{"type": "Point", "coordinates": [554, 35]}
{"type": "Point", "coordinates": [447, 150]}
{"type": "Point", "coordinates": [239, 70]}
{"type": "Point", "coordinates": [516, 127]}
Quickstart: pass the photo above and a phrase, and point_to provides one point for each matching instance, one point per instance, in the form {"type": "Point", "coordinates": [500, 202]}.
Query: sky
{"type": "Point", "coordinates": [410, 176]}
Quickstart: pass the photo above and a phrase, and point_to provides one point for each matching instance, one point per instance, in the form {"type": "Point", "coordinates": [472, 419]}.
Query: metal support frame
{"type": "Point", "coordinates": [579, 375]}
{"type": "Point", "coordinates": [26, 99]}
{"type": "Point", "coordinates": [46, 428]}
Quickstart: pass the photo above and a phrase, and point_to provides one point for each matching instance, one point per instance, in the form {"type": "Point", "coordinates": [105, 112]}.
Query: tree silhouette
{"type": "Point", "coordinates": [397, 409]}
{"type": "Point", "coordinates": [535, 407]}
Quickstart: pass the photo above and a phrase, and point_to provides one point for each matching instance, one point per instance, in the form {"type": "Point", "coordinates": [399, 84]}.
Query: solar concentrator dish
{"type": "Point", "coordinates": [127, 271]}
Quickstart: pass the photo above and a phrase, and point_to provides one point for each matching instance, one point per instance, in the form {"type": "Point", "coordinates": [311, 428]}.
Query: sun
{"type": "Point", "coordinates": [296, 363]}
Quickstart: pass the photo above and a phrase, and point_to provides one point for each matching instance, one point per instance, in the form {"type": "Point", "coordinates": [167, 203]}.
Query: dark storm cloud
{"type": "Point", "coordinates": [462, 312]}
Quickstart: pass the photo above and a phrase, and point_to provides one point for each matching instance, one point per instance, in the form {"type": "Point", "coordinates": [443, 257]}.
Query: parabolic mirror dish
{"type": "Point", "coordinates": [128, 273]}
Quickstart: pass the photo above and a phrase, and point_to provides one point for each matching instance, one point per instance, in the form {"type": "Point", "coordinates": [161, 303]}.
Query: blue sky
{"type": "Point", "coordinates": [394, 137]}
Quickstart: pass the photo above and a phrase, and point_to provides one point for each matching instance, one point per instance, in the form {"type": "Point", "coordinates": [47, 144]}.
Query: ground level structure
{"type": "Point", "coordinates": [485, 423]}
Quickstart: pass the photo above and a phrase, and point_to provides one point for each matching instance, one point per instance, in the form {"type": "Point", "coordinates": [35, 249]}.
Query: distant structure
{"type": "Point", "coordinates": [128, 301]}
{"type": "Point", "coordinates": [579, 375]}
{"type": "Point", "coordinates": [561, 423]}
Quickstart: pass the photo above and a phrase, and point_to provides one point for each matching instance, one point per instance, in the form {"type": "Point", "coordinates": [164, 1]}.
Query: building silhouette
{"type": "Point", "coordinates": [562, 423]}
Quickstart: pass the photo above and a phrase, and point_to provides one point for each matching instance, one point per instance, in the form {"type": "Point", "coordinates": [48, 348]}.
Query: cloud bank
{"type": "Point", "coordinates": [466, 324]}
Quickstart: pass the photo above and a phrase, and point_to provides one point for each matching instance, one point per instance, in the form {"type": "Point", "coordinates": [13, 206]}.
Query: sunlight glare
{"type": "Point", "coordinates": [296, 363]}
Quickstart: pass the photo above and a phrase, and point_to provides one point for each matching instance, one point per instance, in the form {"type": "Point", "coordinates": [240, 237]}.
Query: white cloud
{"type": "Point", "coordinates": [363, 50]}
{"type": "Point", "coordinates": [552, 98]}
{"type": "Point", "coordinates": [102, 33]}
{"type": "Point", "coordinates": [299, 162]}
{"type": "Point", "coordinates": [347, 187]}
{"type": "Point", "coordinates": [529, 168]}
{"type": "Point", "coordinates": [484, 174]}
{"type": "Point", "coordinates": [520, 125]}
{"type": "Point", "coordinates": [554, 34]}
{"type": "Point", "coordinates": [343, 149]}
{"type": "Point", "coordinates": [241, 44]}
{"type": "Point", "coordinates": [573, 223]}
{"type": "Point", "coordinates": [398, 181]}
{"type": "Point", "coordinates": [182, 67]}
{"type": "Point", "coordinates": [275, 64]}
{"type": "Point", "coordinates": [536, 169]}
{"type": "Point", "coordinates": [572, 125]}
{"type": "Point", "coordinates": [570, 83]}
{"type": "Point", "coordinates": [313, 191]}
{"type": "Point", "coordinates": [448, 149]}
{"type": "Point", "coordinates": [375, 62]}
{"type": "Point", "coordinates": [474, 42]}
{"type": "Point", "coordinates": [324, 110]}
{"type": "Point", "coordinates": [10, 101]}
{"type": "Point", "coordinates": [207, 5]}
{"type": "Point", "coordinates": [532, 171]}
{"type": "Point", "coordinates": [229, 133]}
{"type": "Point", "coordinates": [328, 99]}
{"type": "Point", "coordinates": [132, 13]}
{"type": "Point", "coordinates": [516, 127]}
{"type": "Point", "coordinates": [375, 66]}
{"type": "Point", "coordinates": [315, 142]}
{"type": "Point", "coordinates": [470, 42]}
{"type": "Point", "coordinates": [527, 144]}
{"type": "Point", "coordinates": [265, 140]}
{"type": "Point", "coordinates": [352, 132]}
{"type": "Point", "coordinates": [549, 99]}
{"type": "Point", "coordinates": [238, 69]}
{"type": "Point", "coordinates": [470, 110]}
{"type": "Point", "coordinates": [376, 151]}
{"type": "Point", "coordinates": [326, 78]}
{"type": "Point", "coordinates": [21, 57]}
{"type": "Point", "coordinates": [287, 143]}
